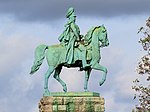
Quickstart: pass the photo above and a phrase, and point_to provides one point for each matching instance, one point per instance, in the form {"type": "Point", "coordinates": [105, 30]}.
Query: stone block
{"type": "Point", "coordinates": [72, 102]}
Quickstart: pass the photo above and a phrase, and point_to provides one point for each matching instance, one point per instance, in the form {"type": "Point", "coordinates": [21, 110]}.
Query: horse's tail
{"type": "Point", "coordinates": [39, 57]}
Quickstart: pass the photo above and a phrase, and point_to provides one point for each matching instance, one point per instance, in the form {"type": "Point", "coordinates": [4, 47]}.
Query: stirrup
{"type": "Point", "coordinates": [86, 67]}
{"type": "Point", "coordinates": [81, 69]}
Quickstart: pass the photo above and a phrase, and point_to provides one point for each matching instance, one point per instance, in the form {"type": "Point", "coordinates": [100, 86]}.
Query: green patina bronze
{"type": "Point", "coordinates": [74, 50]}
{"type": "Point", "coordinates": [73, 94]}
{"type": "Point", "coordinates": [71, 38]}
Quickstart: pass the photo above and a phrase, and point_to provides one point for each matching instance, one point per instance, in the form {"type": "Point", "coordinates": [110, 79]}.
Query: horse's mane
{"type": "Point", "coordinates": [88, 36]}
{"type": "Point", "coordinates": [91, 38]}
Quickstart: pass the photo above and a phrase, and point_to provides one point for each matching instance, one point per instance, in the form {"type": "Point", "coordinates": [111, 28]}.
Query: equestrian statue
{"type": "Point", "coordinates": [74, 50]}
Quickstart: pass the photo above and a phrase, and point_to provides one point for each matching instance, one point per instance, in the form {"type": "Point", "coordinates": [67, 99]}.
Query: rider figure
{"type": "Point", "coordinates": [70, 38]}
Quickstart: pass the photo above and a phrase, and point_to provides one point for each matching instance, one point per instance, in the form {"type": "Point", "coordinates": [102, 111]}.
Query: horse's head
{"type": "Point", "coordinates": [103, 36]}
{"type": "Point", "coordinates": [99, 32]}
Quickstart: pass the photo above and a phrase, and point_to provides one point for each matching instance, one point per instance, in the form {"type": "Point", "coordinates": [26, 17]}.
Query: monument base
{"type": "Point", "coordinates": [72, 102]}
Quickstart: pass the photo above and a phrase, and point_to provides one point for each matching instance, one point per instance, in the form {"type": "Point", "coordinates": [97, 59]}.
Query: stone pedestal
{"type": "Point", "coordinates": [72, 102]}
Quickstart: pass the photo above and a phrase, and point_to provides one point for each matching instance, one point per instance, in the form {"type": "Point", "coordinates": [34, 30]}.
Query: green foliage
{"type": "Point", "coordinates": [145, 40]}
{"type": "Point", "coordinates": [143, 88]}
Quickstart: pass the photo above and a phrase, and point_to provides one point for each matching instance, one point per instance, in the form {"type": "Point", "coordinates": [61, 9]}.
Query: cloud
{"type": "Point", "coordinates": [45, 10]}
{"type": "Point", "coordinates": [17, 43]}
{"type": "Point", "coordinates": [14, 83]}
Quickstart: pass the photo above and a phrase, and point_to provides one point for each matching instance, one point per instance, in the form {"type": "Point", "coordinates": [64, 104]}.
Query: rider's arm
{"type": "Point", "coordinates": [75, 31]}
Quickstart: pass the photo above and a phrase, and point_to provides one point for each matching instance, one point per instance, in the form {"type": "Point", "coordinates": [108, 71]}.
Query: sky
{"type": "Point", "coordinates": [24, 24]}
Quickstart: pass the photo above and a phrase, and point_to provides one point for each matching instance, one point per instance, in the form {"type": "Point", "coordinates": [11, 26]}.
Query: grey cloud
{"type": "Point", "coordinates": [46, 10]}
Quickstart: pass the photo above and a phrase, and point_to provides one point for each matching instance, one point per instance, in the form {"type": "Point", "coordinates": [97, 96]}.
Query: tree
{"type": "Point", "coordinates": [143, 68]}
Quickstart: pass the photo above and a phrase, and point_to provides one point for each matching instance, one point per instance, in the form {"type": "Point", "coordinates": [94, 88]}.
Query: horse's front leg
{"type": "Point", "coordinates": [47, 75]}
{"type": "Point", "coordinates": [104, 69]}
{"type": "Point", "coordinates": [97, 66]}
{"type": "Point", "coordinates": [87, 75]}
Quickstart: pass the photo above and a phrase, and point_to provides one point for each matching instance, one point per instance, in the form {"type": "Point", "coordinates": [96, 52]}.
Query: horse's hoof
{"type": "Point", "coordinates": [101, 83]}
{"type": "Point", "coordinates": [86, 90]}
{"type": "Point", "coordinates": [65, 89]}
{"type": "Point", "coordinates": [46, 93]}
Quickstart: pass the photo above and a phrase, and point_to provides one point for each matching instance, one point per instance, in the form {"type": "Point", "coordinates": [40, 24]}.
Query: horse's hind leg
{"type": "Point", "coordinates": [56, 76]}
{"type": "Point", "coordinates": [47, 75]}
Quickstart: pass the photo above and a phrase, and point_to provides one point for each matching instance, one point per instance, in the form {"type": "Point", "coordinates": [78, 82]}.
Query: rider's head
{"type": "Point", "coordinates": [70, 13]}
